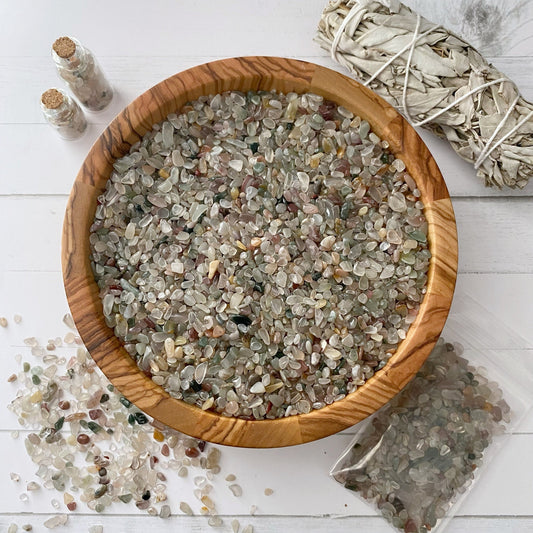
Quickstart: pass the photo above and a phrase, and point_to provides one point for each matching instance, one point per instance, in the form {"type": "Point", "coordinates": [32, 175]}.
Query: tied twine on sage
{"type": "Point", "coordinates": [437, 80]}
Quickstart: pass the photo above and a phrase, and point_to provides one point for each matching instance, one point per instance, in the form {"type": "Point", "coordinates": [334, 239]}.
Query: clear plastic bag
{"type": "Point", "coordinates": [417, 458]}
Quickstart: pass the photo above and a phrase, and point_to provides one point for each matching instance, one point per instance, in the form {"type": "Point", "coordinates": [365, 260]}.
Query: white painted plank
{"type": "Point", "coordinates": [518, 362]}
{"type": "Point", "coordinates": [242, 27]}
{"type": "Point", "coordinates": [59, 162]}
{"type": "Point", "coordinates": [165, 27]}
{"type": "Point", "coordinates": [299, 477]}
{"type": "Point", "coordinates": [31, 233]}
{"type": "Point", "coordinates": [254, 468]}
{"type": "Point", "coordinates": [508, 296]}
{"type": "Point", "coordinates": [55, 162]}
{"type": "Point", "coordinates": [28, 70]}
{"type": "Point", "coordinates": [307, 464]}
{"type": "Point", "coordinates": [29, 76]}
{"type": "Point", "coordinates": [522, 360]}
{"type": "Point", "coordinates": [39, 297]}
{"type": "Point", "coordinates": [264, 524]}
{"type": "Point", "coordinates": [130, 77]}
{"type": "Point", "coordinates": [22, 125]}
{"type": "Point", "coordinates": [254, 472]}
{"type": "Point", "coordinates": [495, 235]}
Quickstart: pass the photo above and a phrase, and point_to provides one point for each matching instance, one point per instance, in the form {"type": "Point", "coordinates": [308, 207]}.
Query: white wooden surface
{"type": "Point", "coordinates": [139, 43]}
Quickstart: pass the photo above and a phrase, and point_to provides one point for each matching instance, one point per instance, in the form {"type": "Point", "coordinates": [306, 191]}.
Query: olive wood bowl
{"type": "Point", "coordinates": [243, 74]}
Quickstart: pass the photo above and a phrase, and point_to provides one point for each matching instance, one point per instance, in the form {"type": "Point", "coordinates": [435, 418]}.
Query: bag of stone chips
{"type": "Point", "coordinates": [417, 457]}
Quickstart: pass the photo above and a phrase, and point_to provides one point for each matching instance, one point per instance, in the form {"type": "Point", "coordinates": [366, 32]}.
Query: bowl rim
{"type": "Point", "coordinates": [245, 73]}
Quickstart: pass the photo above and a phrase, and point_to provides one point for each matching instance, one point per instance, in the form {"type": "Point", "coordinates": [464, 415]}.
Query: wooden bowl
{"type": "Point", "coordinates": [243, 74]}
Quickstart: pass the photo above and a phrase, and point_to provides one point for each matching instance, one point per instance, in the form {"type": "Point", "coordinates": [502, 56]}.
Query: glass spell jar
{"type": "Point", "coordinates": [82, 73]}
{"type": "Point", "coordinates": [63, 114]}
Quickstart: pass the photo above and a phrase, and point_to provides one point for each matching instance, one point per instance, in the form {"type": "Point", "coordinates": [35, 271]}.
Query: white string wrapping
{"type": "Point", "coordinates": [357, 14]}
{"type": "Point", "coordinates": [357, 10]}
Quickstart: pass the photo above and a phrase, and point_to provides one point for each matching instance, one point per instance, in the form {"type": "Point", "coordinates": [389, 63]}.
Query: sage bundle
{"type": "Point", "coordinates": [437, 80]}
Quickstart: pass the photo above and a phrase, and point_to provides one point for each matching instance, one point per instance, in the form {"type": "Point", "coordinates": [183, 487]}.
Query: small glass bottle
{"type": "Point", "coordinates": [79, 68]}
{"type": "Point", "coordinates": [63, 113]}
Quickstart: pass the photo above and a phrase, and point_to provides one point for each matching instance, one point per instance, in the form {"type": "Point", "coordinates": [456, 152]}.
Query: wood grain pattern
{"type": "Point", "coordinates": [253, 73]}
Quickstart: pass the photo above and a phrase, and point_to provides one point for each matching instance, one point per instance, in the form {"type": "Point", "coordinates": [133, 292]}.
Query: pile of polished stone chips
{"type": "Point", "coordinates": [93, 446]}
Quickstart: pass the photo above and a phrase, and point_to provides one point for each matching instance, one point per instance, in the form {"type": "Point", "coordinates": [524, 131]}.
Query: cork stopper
{"type": "Point", "coordinates": [52, 99]}
{"type": "Point", "coordinates": [64, 47]}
